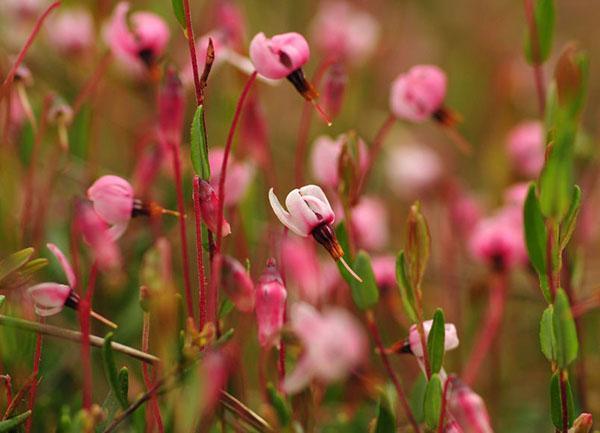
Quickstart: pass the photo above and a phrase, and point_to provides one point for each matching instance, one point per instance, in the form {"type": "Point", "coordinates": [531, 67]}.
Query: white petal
{"type": "Point", "coordinates": [315, 191]}
{"type": "Point", "coordinates": [301, 213]}
{"type": "Point", "coordinates": [283, 215]}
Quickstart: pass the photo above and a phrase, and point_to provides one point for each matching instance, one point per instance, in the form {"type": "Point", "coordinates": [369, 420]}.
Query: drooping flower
{"type": "Point", "coordinates": [113, 200]}
{"type": "Point", "coordinates": [209, 207]}
{"type": "Point", "coordinates": [468, 409]}
{"type": "Point", "coordinates": [239, 175]}
{"type": "Point", "coordinates": [526, 149]}
{"type": "Point", "coordinates": [309, 213]}
{"type": "Point", "coordinates": [418, 94]}
{"type": "Point", "coordinates": [450, 341]}
{"type": "Point", "coordinates": [237, 284]}
{"type": "Point", "coordinates": [345, 33]}
{"type": "Point", "coordinates": [413, 170]}
{"type": "Point", "coordinates": [98, 236]}
{"type": "Point", "coordinates": [325, 157]}
{"type": "Point", "coordinates": [334, 344]}
{"type": "Point", "coordinates": [280, 56]}
{"type": "Point", "coordinates": [71, 32]}
{"type": "Point", "coordinates": [369, 224]}
{"type": "Point", "coordinates": [141, 44]}
{"type": "Point", "coordinates": [270, 305]}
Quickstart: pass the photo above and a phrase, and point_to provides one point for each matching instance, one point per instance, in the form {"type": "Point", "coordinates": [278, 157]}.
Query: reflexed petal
{"type": "Point", "coordinates": [301, 213]}
{"type": "Point", "coordinates": [284, 215]}
{"type": "Point", "coordinates": [49, 295]}
{"type": "Point", "coordinates": [64, 263]}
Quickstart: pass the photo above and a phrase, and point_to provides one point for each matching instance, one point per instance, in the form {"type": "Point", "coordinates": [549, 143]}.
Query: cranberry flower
{"type": "Point", "coordinates": [270, 305]}
{"type": "Point", "coordinates": [143, 43]}
{"type": "Point", "coordinates": [112, 197]}
{"type": "Point", "coordinates": [50, 298]}
{"type": "Point", "coordinates": [325, 157]}
{"type": "Point", "coordinates": [334, 344]}
{"type": "Point", "coordinates": [309, 213]}
{"type": "Point", "coordinates": [71, 32]}
{"type": "Point", "coordinates": [237, 284]}
{"type": "Point", "coordinates": [414, 339]}
{"type": "Point", "coordinates": [468, 409]}
{"type": "Point", "coordinates": [526, 149]}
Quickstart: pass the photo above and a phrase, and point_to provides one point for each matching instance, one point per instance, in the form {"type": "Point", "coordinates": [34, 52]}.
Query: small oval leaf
{"type": "Point", "coordinates": [547, 339]}
{"type": "Point", "coordinates": [14, 262]}
{"type": "Point", "coordinates": [199, 148]}
{"type": "Point", "coordinates": [436, 340]}
{"type": "Point", "coordinates": [564, 330]}
{"type": "Point", "coordinates": [365, 294]}
{"type": "Point", "coordinates": [406, 290]}
{"type": "Point", "coordinates": [433, 401]}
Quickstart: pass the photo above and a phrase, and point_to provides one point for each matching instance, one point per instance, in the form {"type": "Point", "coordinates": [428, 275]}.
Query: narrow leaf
{"type": "Point", "coordinates": [14, 262]}
{"type": "Point", "coordinates": [365, 294]}
{"type": "Point", "coordinates": [570, 220]}
{"type": "Point", "coordinates": [535, 238]}
{"type": "Point", "coordinates": [436, 340]}
{"type": "Point", "coordinates": [33, 266]}
{"type": "Point", "coordinates": [547, 339]}
{"type": "Point", "coordinates": [280, 405]}
{"type": "Point", "coordinates": [433, 401]}
{"type": "Point", "coordinates": [179, 12]}
{"type": "Point", "coordinates": [418, 245]}
{"type": "Point", "coordinates": [406, 290]}
{"type": "Point", "coordinates": [556, 402]}
{"type": "Point", "coordinates": [111, 370]}
{"type": "Point", "coordinates": [417, 397]}
{"type": "Point", "coordinates": [564, 330]}
{"type": "Point", "coordinates": [12, 423]}
{"type": "Point", "coordinates": [386, 418]}
{"type": "Point", "coordinates": [198, 151]}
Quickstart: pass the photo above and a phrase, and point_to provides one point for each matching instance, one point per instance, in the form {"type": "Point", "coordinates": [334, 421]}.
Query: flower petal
{"type": "Point", "coordinates": [283, 215]}
{"type": "Point", "coordinates": [300, 212]}
{"type": "Point", "coordinates": [49, 295]}
{"type": "Point", "coordinates": [64, 263]}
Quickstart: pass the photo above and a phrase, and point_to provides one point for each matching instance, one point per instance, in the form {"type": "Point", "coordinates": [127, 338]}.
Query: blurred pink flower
{"type": "Point", "coordinates": [209, 208]}
{"type": "Point", "coordinates": [254, 139]}
{"type": "Point", "coordinates": [465, 212]}
{"type": "Point", "coordinates": [143, 43]}
{"type": "Point", "coordinates": [384, 268]}
{"type": "Point", "coordinates": [370, 223]}
{"type": "Point", "coordinates": [71, 31]}
{"type": "Point", "coordinates": [50, 298]}
{"type": "Point", "coordinates": [419, 93]}
{"type": "Point", "coordinates": [582, 424]}
{"type": "Point", "coordinates": [270, 305]}
{"type": "Point", "coordinates": [499, 241]}
{"type": "Point", "coordinates": [215, 372]}
{"type": "Point", "coordinates": [516, 194]}
{"type": "Point", "coordinates": [112, 197]}
{"type": "Point", "coordinates": [239, 176]}
{"type": "Point", "coordinates": [334, 89]}
{"type": "Point", "coordinates": [526, 149]}
{"type": "Point", "coordinates": [345, 33]}
{"type": "Point", "coordinates": [237, 284]}
{"type": "Point", "coordinates": [279, 56]}
{"type": "Point", "coordinates": [452, 427]}
{"type": "Point", "coordinates": [325, 156]}
{"type": "Point", "coordinates": [171, 107]}
{"type": "Point", "coordinates": [230, 20]}
{"type": "Point", "coordinates": [334, 344]}
{"type": "Point", "coordinates": [97, 235]}
{"type": "Point", "coordinates": [450, 342]}
{"type": "Point", "coordinates": [23, 9]}
{"type": "Point", "coordinates": [413, 170]}
{"type": "Point", "coordinates": [468, 409]}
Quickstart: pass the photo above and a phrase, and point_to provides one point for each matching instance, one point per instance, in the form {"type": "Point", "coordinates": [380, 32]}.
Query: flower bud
{"type": "Point", "coordinates": [270, 305]}
{"type": "Point", "coordinates": [237, 284]}
{"type": "Point", "coordinates": [209, 207]}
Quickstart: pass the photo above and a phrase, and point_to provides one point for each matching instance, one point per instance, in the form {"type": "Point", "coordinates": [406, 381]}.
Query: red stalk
{"type": "Point", "coordinates": [149, 381]}
{"type": "Point", "coordinates": [36, 29]}
{"type": "Point", "coordinates": [8, 387]}
{"type": "Point", "coordinates": [36, 370]}
{"type": "Point", "coordinates": [84, 320]}
{"type": "Point", "coordinates": [199, 256]}
{"type": "Point", "coordinates": [447, 386]}
{"type": "Point", "coordinates": [281, 358]}
{"type": "Point", "coordinates": [192, 48]}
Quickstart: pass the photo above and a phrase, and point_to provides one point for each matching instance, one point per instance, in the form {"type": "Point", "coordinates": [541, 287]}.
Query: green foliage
{"type": "Point", "coordinates": [2, 299]}
{"type": "Point", "coordinates": [341, 233]}
{"type": "Point", "coordinates": [386, 417]}
{"type": "Point", "coordinates": [14, 262]}
{"type": "Point", "coordinates": [570, 220]}
{"type": "Point", "coordinates": [436, 340]}
{"type": "Point", "coordinates": [407, 294]}
{"type": "Point", "coordinates": [33, 266]}
{"type": "Point", "coordinates": [547, 338]}
{"type": "Point", "coordinates": [14, 422]}
{"type": "Point", "coordinates": [564, 330]}
{"type": "Point", "coordinates": [556, 402]}
{"type": "Point", "coordinates": [418, 245]}
{"type": "Point", "coordinates": [417, 397]}
{"type": "Point", "coordinates": [281, 406]}
{"type": "Point", "coordinates": [432, 405]}
{"type": "Point", "coordinates": [535, 238]}
{"type": "Point", "coordinates": [179, 12]}
{"type": "Point", "coordinates": [110, 370]}
{"type": "Point", "coordinates": [365, 294]}
{"type": "Point", "coordinates": [537, 52]}
{"type": "Point", "coordinates": [199, 147]}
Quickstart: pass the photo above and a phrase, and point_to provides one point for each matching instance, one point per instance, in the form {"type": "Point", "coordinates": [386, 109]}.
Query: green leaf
{"type": "Point", "coordinates": [110, 370]}
{"type": "Point", "coordinates": [418, 245]}
{"type": "Point", "coordinates": [544, 18]}
{"type": "Point", "coordinates": [417, 397]}
{"type": "Point", "coordinates": [179, 12]}
{"type": "Point", "coordinates": [284, 413]}
{"type": "Point", "coordinates": [386, 418]}
{"type": "Point", "coordinates": [535, 238]}
{"type": "Point", "coordinates": [12, 423]}
{"type": "Point", "coordinates": [564, 330]}
{"type": "Point", "coordinates": [224, 338]}
{"type": "Point", "coordinates": [14, 262]}
{"type": "Point", "coordinates": [225, 308]}
{"type": "Point", "coordinates": [124, 384]}
{"type": "Point", "coordinates": [2, 299]}
{"type": "Point", "coordinates": [199, 149]}
{"type": "Point", "coordinates": [341, 233]}
{"type": "Point", "coordinates": [33, 266]}
{"type": "Point", "coordinates": [365, 294]}
{"type": "Point", "coordinates": [547, 338]}
{"type": "Point", "coordinates": [432, 405]}
{"type": "Point", "coordinates": [406, 290]}
{"type": "Point", "coordinates": [436, 340]}
{"type": "Point", "coordinates": [570, 220]}
{"type": "Point", "coordinates": [556, 402]}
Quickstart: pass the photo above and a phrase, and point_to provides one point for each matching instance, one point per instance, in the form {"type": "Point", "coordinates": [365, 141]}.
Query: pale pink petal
{"type": "Point", "coordinates": [279, 56]}
{"type": "Point", "coordinates": [64, 264]}
{"type": "Point", "coordinates": [450, 342]}
{"type": "Point", "coordinates": [49, 296]}
{"type": "Point", "coordinates": [284, 216]}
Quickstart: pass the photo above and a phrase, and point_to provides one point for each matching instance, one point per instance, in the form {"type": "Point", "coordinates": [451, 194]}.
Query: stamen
{"type": "Point", "coordinates": [103, 319]}
{"type": "Point", "coordinates": [321, 112]}
{"type": "Point", "coordinates": [171, 212]}
{"type": "Point", "coordinates": [349, 269]}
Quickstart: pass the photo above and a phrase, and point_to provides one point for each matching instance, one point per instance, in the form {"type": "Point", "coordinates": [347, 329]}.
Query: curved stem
{"type": "Point", "coordinates": [84, 320]}
{"type": "Point", "coordinates": [36, 371]}
{"type": "Point", "coordinates": [192, 48]}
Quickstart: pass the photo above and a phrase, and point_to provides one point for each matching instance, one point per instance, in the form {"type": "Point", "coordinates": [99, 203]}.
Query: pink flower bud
{"type": "Point", "coordinates": [112, 197]}
{"type": "Point", "coordinates": [413, 170]}
{"type": "Point", "coordinates": [98, 236]}
{"type": "Point", "coordinates": [325, 158]}
{"type": "Point", "coordinates": [270, 305]}
{"type": "Point", "coordinates": [582, 424]}
{"type": "Point", "coordinates": [143, 43]}
{"type": "Point", "coordinates": [209, 208]}
{"type": "Point", "coordinates": [215, 372]}
{"type": "Point", "coordinates": [230, 21]}
{"type": "Point", "coordinates": [279, 56]}
{"type": "Point", "coordinates": [334, 89]}
{"type": "Point", "coordinates": [239, 176]}
{"type": "Point", "coordinates": [171, 107]}
{"type": "Point", "coordinates": [468, 409]}
{"type": "Point", "coordinates": [384, 268]}
{"type": "Point", "coordinates": [419, 93]}
{"type": "Point", "coordinates": [369, 223]}
{"type": "Point", "coordinates": [345, 33]}
{"type": "Point", "coordinates": [299, 257]}
{"type": "Point", "coordinates": [71, 32]}
{"type": "Point", "coordinates": [334, 344]}
{"type": "Point", "coordinates": [450, 342]}
{"type": "Point", "coordinates": [526, 149]}
{"type": "Point", "coordinates": [237, 284]}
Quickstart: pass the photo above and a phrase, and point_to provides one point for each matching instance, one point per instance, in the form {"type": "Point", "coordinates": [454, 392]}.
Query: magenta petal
{"type": "Point", "coordinates": [49, 296]}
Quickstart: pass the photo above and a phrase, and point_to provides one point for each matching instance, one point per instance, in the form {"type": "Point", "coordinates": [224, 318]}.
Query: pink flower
{"type": "Point", "coordinates": [452, 427]}
{"type": "Point", "coordinates": [413, 169]}
{"type": "Point", "coordinates": [419, 93]}
{"type": "Point", "coordinates": [143, 43]}
{"type": "Point", "coordinates": [112, 197]}
{"type": "Point", "coordinates": [237, 284]}
{"type": "Point", "coordinates": [344, 33]}
{"type": "Point", "coordinates": [230, 21]}
{"type": "Point", "coordinates": [582, 424]}
{"type": "Point", "coordinates": [450, 341]}
{"type": "Point", "coordinates": [239, 176]}
{"type": "Point", "coordinates": [516, 194]}
{"type": "Point", "coordinates": [50, 298]}
{"type": "Point", "coordinates": [71, 31]}
{"type": "Point", "coordinates": [498, 240]}
{"type": "Point", "coordinates": [468, 409]}
{"type": "Point", "coordinates": [99, 237]}
{"type": "Point", "coordinates": [209, 208]}
{"type": "Point", "coordinates": [23, 9]}
{"type": "Point", "coordinates": [334, 89]}
{"type": "Point", "coordinates": [279, 56]}
{"type": "Point", "coordinates": [215, 372]}
{"type": "Point", "coordinates": [334, 344]}
{"type": "Point", "coordinates": [526, 148]}
{"type": "Point", "coordinates": [325, 158]}
{"type": "Point", "coordinates": [171, 107]}
{"type": "Point", "coordinates": [369, 223]}
{"type": "Point", "coordinates": [384, 268]}
{"type": "Point", "coordinates": [465, 212]}
{"type": "Point", "coordinates": [270, 305]}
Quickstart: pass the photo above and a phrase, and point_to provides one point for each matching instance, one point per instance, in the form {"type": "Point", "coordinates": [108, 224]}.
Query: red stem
{"type": "Point", "coordinates": [84, 320]}
{"type": "Point", "coordinates": [199, 256]}
{"type": "Point", "coordinates": [489, 333]}
{"type": "Point", "coordinates": [36, 370]}
{"type": "Point", "coordinates": [386, 363]}
{"type": "Point", "coordinates": [536, 60]}
{"type": "Point", "coordinates": [8, 387]}
{"type": "Point", "coordinates": [281, 358]}
{"type": "Point", "coordinates": [192, 48]}
{"type": "Point", "coordinates": [447, 385]}
{"type": "Point", "coordinates": [149, 381]}
{"type": "Point", "coordinates": [36, 29]}
{"type": "Point", "coordinates": [564, 407]}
